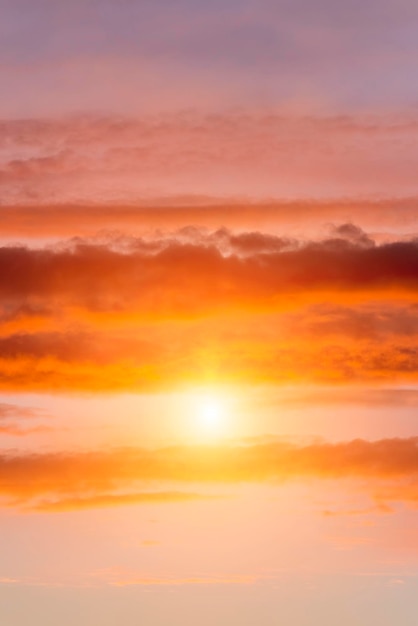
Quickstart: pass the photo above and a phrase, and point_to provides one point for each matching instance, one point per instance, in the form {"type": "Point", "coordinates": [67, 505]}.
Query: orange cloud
{"type": "Point", "coordinates": [310, 345]}
{"type": "Point", "coordinates": [147, 581]}
{"type": "Point", "coordinates": [184, 278]}
{"type": "Point", "coordinates": [65, 219]}
{"type": "Point", "coordinates": [14, 420]}
{"type": "Point", "coordinates": [129, 313]}
{"type": "Point", "coordinates": [114, 500]}
{"type": "Point", "coordinates": [119, 577]}
{"type": "Point", "coordinates": [346, 396]}
{"type": "Point", "coordinates": [64, 481]}
{"type": "Point", "coordinates": [378, 508]}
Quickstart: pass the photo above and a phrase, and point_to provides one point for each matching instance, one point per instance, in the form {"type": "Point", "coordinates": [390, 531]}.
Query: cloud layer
{"type": "Point", "coordinates": [73, 481]}
{"type": "Point", "coordinates": [257, 154]}
{"type": "Point", "coordinates": [143, 313]}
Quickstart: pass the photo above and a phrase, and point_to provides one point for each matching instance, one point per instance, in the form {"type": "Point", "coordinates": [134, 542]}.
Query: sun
{"type": "Point", "coordinates": [209, 413]}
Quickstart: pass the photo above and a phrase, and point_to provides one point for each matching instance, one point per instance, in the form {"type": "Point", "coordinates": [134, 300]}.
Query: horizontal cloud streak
{"type": "Point", "coordinates": [397, 215]}
{"type": "Point", "coordinates": [253, 154]}
{"type": "Point", "coordinates": [16, 420]}
{"type": "Point", "coordinates": [114, 500]}
{"type": "Point", "coordinates": [65, 481]}
{"type": "Point", "coordinates": [100, 277]}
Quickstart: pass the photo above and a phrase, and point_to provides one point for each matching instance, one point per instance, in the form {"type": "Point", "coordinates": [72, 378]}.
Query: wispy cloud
{"type": "Point", "coordinates": [16, 420]}
{"type": "Point", "coordinates": [113, 500]}
{"type": "Point", "coordinates": [65, 482]}
{"type": "Point", "coordinates": [258, 154]}
{"type": "Point", "coordinates": [397, 216]}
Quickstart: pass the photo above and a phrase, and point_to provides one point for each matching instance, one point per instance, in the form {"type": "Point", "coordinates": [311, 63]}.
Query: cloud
{"type": "Point", "coordinates": [114, 500]}
{"type": "Point", "coordinates": [338, 395]}
{"type": "Point", "coordinates": [16, 411]}
{"type": "Point", "coordinates": [366, 321]}
{"type": "Point", "coordinates": [194, 275]}
{"type": "Point", "coordinates": [187, 356]}
{"type": "Point", "coordinates": [257, 153]}
{"type": "Point", "coordinates": [149, 581]}
{"type": "Point", "coordinates": [152, 312]}
{"type": "Point", "coordinates": [372, 510]}
{"type": "Point", "coordinates": [387, 469]}
{"type": "Point", "coordinates": [9, 581]}
{"type": "Point", "coordinates": [354, 234]}
{"type": "Point", "coordinates": [14, 418]}
{"type": "Point", "coordinates": [120, 577]}
{"type": "Point", "coordinates": [17, 431]}
{"type": "Point", "coordinates": [34, 218]}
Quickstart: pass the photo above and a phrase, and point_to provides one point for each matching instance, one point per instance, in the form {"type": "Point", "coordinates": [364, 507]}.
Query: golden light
{"type": "Point", "coordinates": [210, 413]}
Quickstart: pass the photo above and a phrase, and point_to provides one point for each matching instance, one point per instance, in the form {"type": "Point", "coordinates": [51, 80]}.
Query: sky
{"type": "Point", "coordinates": [208, 312]}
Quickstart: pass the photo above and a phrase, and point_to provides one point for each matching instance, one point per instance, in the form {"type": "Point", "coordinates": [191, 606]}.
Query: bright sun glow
{"type": "Point", "coordinates": [210, 413]}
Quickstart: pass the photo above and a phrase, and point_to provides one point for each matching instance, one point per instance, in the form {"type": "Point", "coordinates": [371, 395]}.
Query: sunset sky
{"type": "Point", "coordinates": [208, 313]}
